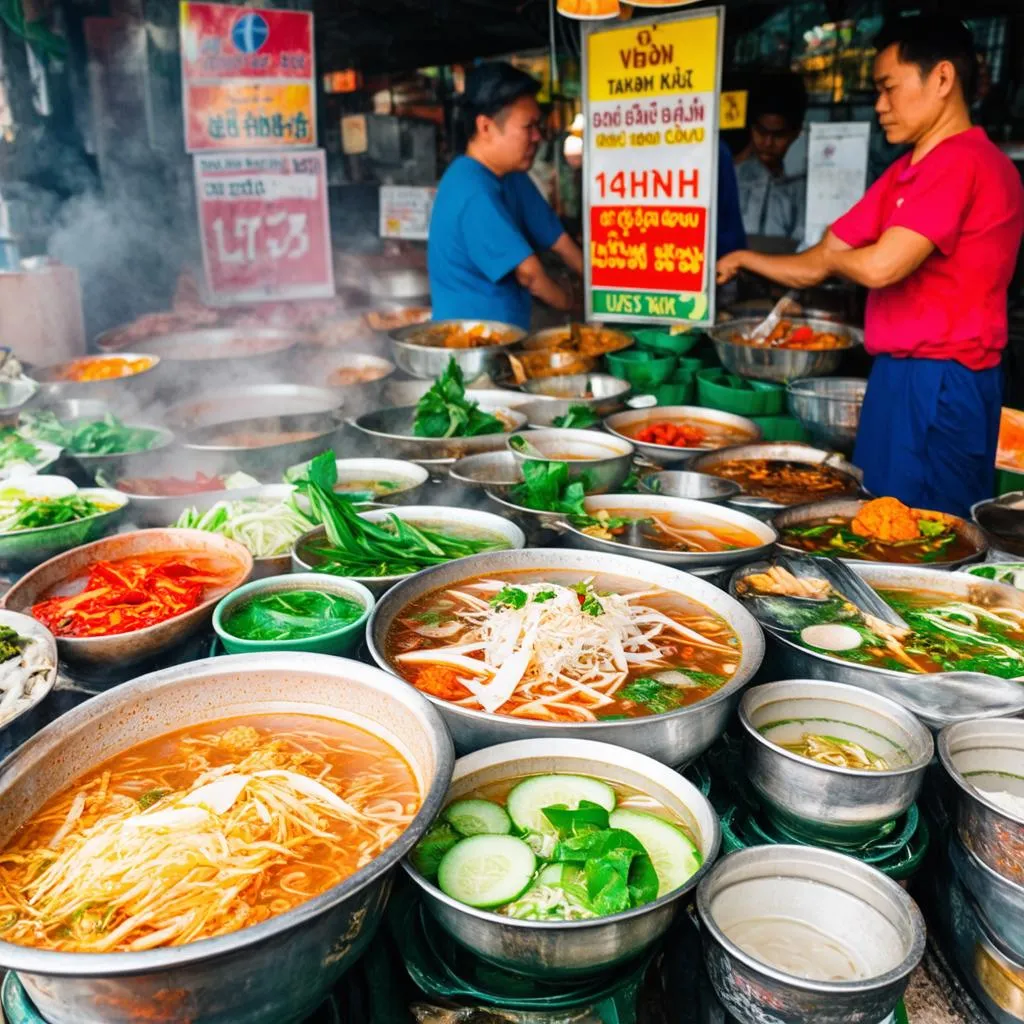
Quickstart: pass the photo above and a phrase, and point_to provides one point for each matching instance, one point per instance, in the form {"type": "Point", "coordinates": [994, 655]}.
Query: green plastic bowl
{"type": "Point", "coordinates": [781, 428]}
{"type": "Point", "coordinates": [644, 370]}
{"type": "Point", "coordinates": [675, 392]}
{"type": "Point", "coordinates": [719, 389]}
{"type": "Point", "coordinates": [343, 640]}
{"type": "Point", "coordinates": [664, 343]}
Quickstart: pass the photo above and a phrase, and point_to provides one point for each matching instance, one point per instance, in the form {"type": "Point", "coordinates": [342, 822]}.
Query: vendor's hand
{"type": "Point", "coordinates": [729, 266]}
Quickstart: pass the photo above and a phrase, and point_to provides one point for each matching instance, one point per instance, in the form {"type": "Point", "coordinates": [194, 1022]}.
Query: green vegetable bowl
{"type": "Point", "coordinates": [290, 604]}
{"type": "Point", "coordinates": [644, 370]}
{"type": "Point", "coordinates": [719, 389]}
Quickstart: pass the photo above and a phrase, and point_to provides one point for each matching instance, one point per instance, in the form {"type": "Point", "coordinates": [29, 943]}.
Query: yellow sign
{"type": "Point", "coordinates": [732, 110]}
{"type": "Point", "coordinates": [663, 59]}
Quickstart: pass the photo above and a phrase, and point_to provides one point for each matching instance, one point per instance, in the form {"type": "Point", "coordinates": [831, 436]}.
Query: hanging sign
{"type": "Point", "coordinates": [264, 225]}
{"type": "Point", "coordinates": [247, 78]}
{"type": "Point", "coordinates": [651, 167]}
{"type": "Point", "coordinates": [405, 211]}
{"type": "Point", "coordinates": [733, 112]}
{"type": "Point", "coordinates": [837, 173]}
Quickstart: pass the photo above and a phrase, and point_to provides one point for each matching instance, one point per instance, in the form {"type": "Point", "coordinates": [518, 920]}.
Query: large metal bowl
{"type": "Point", "coordinates": [600, 392]}
{"type": "Point", "coordinates": [601, 462]}
{"type": "Point", "coordinates": [276, 972]}
{"type": "Point", "coordinates": [821, 895]}
{"type": "Point", "coordinates": [792, 661]}
{"type": "Point", "coordinates": [1002, 519]}
{"type": "Point", "coordinates": [779, 451]}
{"type": "Point", "coordinates": [136, 386]}
{"type": "Point", "coordinates": [125, 648]}
{"type": "Point", "coordinates": [20, 725]}
{"type": "Point", "coordinates": [555, 950]}
{"type": "Point", "coordinates": [821, 801]}
{"type": "Point", "coordinates": [674, 738]}
{"type": "Point", "coordinates": [434, 517]}
{"type": "Point", "coordinates": [239, 402]}
{"type": "Point", "coordinates": [681, 483]}
{"type": "Point", "coordinates": [829, 408]}
{"type": "Point", "coordinates": [849, 507]}
{"type": "Point", "coordinates": [984, 757]}
{"type": "Point", "coordinates": [626, 424]}
{"type": "Point", "coordinates": [702, 512]}
{"type": "Point", "coordinates": [762, 362]}
{"type": "Point", "coordinates": [391, 431]}
{"type": "Point", "coordinates": [414, 353]}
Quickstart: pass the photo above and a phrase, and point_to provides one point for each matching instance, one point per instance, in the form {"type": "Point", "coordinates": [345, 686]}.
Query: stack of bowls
{"type": "Point", "coordinates": [657, 370]}
{"type": "Point", "coordinates": [984, 760]}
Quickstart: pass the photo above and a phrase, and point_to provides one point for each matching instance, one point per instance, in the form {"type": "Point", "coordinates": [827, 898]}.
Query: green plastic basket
{"type": "Point", "coordinates": [666, 343]}
{"type": "Point", "coordinates": [719, 389]}
{"type": "Point", "coordinates": [781, 428]}
{"type": "Point", "coordinates": [644, 370]}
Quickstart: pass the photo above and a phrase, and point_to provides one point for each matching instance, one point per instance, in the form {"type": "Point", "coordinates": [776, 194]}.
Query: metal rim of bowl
{"type": "Point", "coordinates": [400, 335]}
{"type": "Point", "coordinates": [844, 693]}
{"type": "Point", "coordinates": [695, 412]}
{"type": "Point", "coordinates": [569, 435]}
{"type": "Point", "coordinates": [948, 736]}
{"type": "Point", "coordinates": [408, 468]}
{"type": "Point", "coordinates": [568, 747]}
{"type": "Point", "coordinates": [910, 960]}
{"type": "Point", "coordinates": [798, 389]}
{"type": "Point", "coordinates": [155, 361]}
{"type": "Point", "coordinates": [164, 440]}
{"type": "Point", "coordinates": [854, 335]}
{"type": "Point", "coordinates": [730, 489]}
{"type": "Point", "coordinates": [91, 965]}
{"type": "Point", "coordinates": [42, 635]}
{"type": "Point", "coordinates": [40, 532]}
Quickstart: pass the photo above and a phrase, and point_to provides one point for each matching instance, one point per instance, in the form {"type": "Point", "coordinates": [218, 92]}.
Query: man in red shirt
{"type": "Point", "coordinates": [936, 240]}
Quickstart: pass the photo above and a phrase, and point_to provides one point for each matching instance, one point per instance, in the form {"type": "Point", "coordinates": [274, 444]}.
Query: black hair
{"type": "Point", "coordinates": [927, 41]}
{"type": "Point", "coordinates": [780, 93]}
{"type": "Point", "coordinates": [490, 89]}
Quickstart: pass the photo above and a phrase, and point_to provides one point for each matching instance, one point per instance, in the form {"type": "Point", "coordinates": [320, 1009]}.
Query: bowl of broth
{"type": "Point", "coordinates": [673, 531]}
{"type": "Point", "coordinates": [493, 876]}
{"type": "Point", "coordinates": [109, 807]}
{"type": "Point", "coordinates": [675, 433]}
{"type": "Point", "coordinates": [380, 481]}
{"type": "Point", "coordinates": [807, 935]}
{"type": "Point", "coordinates": [578, 644]}
{"type": "Point", "coordinates": [830, 761]}
{"type": "Point", "coordinates": [601, 462]}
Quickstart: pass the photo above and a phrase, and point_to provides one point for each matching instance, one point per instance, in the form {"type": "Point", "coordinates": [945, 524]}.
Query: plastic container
{"type": "Point", "coordinates": [666, 343]}
{"type": "Point", "coordinates": [781, 428]}
{"type": "Point", "coordinates": [675, 392]}
{"type": "Point", "coordinates": [644, 370]}
{"type": "Point", "coordinates": [719, 389]}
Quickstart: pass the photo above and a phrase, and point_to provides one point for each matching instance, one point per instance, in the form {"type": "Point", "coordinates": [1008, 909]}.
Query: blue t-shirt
{"type": "Point", "coordinates": [482, 227]}
{"type": "Point", "coordinates": [731, 235]}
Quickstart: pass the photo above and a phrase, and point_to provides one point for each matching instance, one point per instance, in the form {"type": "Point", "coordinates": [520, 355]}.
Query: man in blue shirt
{"type": "Point", "coordinates": [489, 221]}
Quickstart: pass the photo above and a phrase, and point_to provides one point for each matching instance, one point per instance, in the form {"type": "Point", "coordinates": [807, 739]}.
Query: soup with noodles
{"type": "Point", "coordinates": [562, 646]}
{"type": "Point", "coordinates": [201, 832]}
{"type": "Point", "coordinates": [664, 531]}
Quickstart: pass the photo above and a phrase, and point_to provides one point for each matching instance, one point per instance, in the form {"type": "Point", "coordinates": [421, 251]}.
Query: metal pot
{"type": "Point", "coordinates": [276, 972]}
{"type": "Point", "coordinates": [849, 507]}
{"type": "Point", "coordinates": [681, 483]}
{"type": "Point", "coordinates": [829, 408]}
{"type": "Point", "coordinates": [118, 391]}
{"type": "Point", "coordinates": [674, 738]}
{"type": "Point", "coordinates": [239, 403]}
{"type": "Point", "coordinates": [414, 353]}
{"type": "Point", "coordinates": [762, 362]}
{"type": "Point", "coordinates": [982, 757]}
{"type": "Point", "coordinates": [626, 424]}
{"type": "Point", "coordinates": [776, 451]}
{"type": "Point", "coordinates": [823, 801]}
{"type": "Point", "coordinates": [999, 900]}
{"type": "Point", "coordinates": [598, 391]}
{"type": "Point", "coordinates": [555, 950]}
{"type": "Point", "coordinates": [861, 913]}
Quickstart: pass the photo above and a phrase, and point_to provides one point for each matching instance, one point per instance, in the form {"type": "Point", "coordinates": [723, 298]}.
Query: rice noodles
{"type": "Point", "coordinates": [203, 832]}
{"type": "Point", "coordinates": [530, 647]}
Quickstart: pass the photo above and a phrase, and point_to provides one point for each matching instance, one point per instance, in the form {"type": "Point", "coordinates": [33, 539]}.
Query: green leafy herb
{"type": "Point", "coordinates": [14, 448]}
{"type": "Point", "coordinates": [509, 597]}
{"type": "Point", "coordinates": [579, 417]}
{"type": "Point", "coordinates": [584, 818]}
{"type": "Point", "coordinates": [292, 615]}
{"type": "Point", "coordinates": [430, 850]}
{"type": "Point", "coordinates": [10, 643]}
{"type": "Point", "coordinates": [618, 871]}
{"type": "Point", "coordinates": [106, 436]}
{"type": "Point", "coordinates": [591, 606]}
{"type": "Point", "coordinates": [19, 511]}
{"type": "Point", "coordinates": [544, 595]}
{"type": "Point", "coordinates": [150, 797]}
{"type": "Point", "coordinates": [445, 412]}
{"type": "Point", "coordinates": [658, 698]}
{"type": "Point", "coordinates": [931, 527]}
{"type": "Point", "coordinates": [546, 488]}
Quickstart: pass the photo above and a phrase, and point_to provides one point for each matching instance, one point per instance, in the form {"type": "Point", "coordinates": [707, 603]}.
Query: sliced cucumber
{"type": "Point", "coordinates": [478, 817]}
{"type": "Point", "coordinates": [672, 853]}
{"type": "Point", "coordinates": [528, 799]}
{"type": "Point", "coordinates": [551, 874]}
{"type": "Point", "coordinates": [487, 871]}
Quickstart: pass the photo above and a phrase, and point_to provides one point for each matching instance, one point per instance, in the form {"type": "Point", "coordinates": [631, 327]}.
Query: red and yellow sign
{"type": "Point", "coordinates": [651, 110]}
{"type": "Point", "coordinates": [247, 78]}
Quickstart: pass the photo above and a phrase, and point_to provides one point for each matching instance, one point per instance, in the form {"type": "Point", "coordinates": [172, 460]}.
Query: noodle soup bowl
{"type": "Point", "coordinates": [799, 935]}
{"type": "Point", "coordinates": [275, 972]}
{"type": "Point", "coordinates": [673, 738]}
{"type": "Point", "coordinates": [824, 801]}
{"type": "Point", "coordinates": [699, 513]}
{"type": "Point", "coordinates": [341, 640]}
{"type": "Point", "coordinates": [600, 462]}
{"type": "Point", "coordinates": [555, 950]}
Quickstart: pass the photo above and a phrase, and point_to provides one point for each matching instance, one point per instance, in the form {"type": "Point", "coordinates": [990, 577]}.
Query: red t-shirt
{"type": "Point", "coordinates": [965, 197]}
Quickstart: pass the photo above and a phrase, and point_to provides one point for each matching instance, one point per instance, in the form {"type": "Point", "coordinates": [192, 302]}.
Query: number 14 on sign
{"type": "Point", "coordinates": [280, 235]}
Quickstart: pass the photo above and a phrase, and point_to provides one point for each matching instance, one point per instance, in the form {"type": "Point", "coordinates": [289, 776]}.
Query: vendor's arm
{"type": "Point", "coordinates": [543, 227]}
{"type": "Point", "coordinates": [570, 253]}
{"type": "Point", "coordinates": [536, 280]}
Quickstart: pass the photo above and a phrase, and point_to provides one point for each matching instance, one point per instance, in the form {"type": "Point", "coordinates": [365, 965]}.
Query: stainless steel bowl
{"type": "Point", "coordinates": [332, 363]}
{"type": "Point", "coordinates": [243, 402]}
{"type": "Point", "coordinates": [414, 353]}
{"type": "Point", "coordinates": [133, 388]}
{"type": "Point", "coordinates": [626, 424]}
{"type": "Point", "coordinates": [192, 357]}
{"type": "Point", "coordinates": [803, 514]}
{"type": "Point", "coordinates": [685, 508]}
{"type": "Point", "coordinates": [1002, 520]}
{"type": "Point", "coordinates": [47, 454]}
{"type": "Point", "coordinates": [674, 739]}
{"type": "Point", "coordinates": [17, 727]}
{"type": "Point", "coordinates": [999, 900]}
{"type": "Point", "coordinates": [277, 971]}
{"type": "Point", "coordinates": [571, 949]}
{"type": "Point", "coordinates": [817, 896]}
{"type": "Point", "coordinates": [125, 648]}
{"type": "Point", "coordinates": [14, 395]}
{"type": "Point", "coordinates": [681, 483]}
{"type": "Point", "coordinates": [762, 362]}
{"type": "Point", "coordinates": [601, 462]}
{"type": "Point", "coordinates": [829, 408]}
{"type": "Point", "coordinates": [598, 391]}
{"type": "Point", "coordinates": [411, 479]}
{"type": "Point", "coordinates": [791, 661]}
{"type": "Point", "coordinates": [489, 469]}
{"type": "Point", "coordinates": [434, 517]}
{"type": "Point", "coordinates": [822, 801]}
{"type": "Point", "coordinates": [984, 757]}
{"type": "Point", "coordinates": [780, 451]}
{"type": "Point", "coordinates": [391, 429]}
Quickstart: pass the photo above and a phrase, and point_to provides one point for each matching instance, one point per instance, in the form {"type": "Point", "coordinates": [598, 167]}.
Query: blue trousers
{"type": "Point", "coordinates": [928, 433]}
